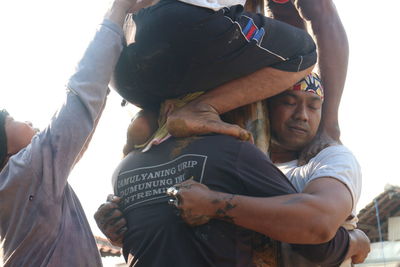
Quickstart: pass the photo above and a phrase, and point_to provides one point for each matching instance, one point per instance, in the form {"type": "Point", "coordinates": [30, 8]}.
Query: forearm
{"type": "Point", "coordinates": [331, 253]}
{"type": "Point", "coordinates": [333, 53]}
{"type": "Point", "coordinates": [296, 218]}
{"type": "Point", "coordinates": [88, 87]}
{"type": "Point", "coordinates": [93, 73]}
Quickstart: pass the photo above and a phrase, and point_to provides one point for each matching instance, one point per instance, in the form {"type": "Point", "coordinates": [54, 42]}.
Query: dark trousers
{"type": "Point", "coordinates": [181, 48]}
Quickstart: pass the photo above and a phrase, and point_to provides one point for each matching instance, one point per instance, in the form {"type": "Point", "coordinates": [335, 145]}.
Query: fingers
{"type": "Point", "coordinates": [310, 152]}
{"type": "Point", "coordinates": [362, 245]}
{"type": "Point", "coordinates": [118, 227]}
{"type": "Point", "coordinates": [231, 130]}
{"type": "Point", "coordinates": [176, 192]}
{"type": "Point", "coordinates": [358, 259]}
{"type": "Point", "coordinates": [173, 192]}
{"type": "Point", "coordinates": [189, 121]}
{"type": "Point", "coordinates": [319, 143]}
{"type": "Point", "coordinates": [113, 198]}
{"type": "Point", "coordinates": [192, 192]}
{"type": "Point", "coordinates": [110, 220]}
{"type": "Point", "coordinates": [105, 211]}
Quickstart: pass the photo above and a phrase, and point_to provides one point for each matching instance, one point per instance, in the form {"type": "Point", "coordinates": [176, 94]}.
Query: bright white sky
{"type": "Point", "coordinates": [42, 40]}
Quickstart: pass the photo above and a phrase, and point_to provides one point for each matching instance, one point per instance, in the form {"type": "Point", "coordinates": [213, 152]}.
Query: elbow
{"type": "Point", "coordinates": [325, 235]}
{"type": "Point", "coordinates": [321, 231]}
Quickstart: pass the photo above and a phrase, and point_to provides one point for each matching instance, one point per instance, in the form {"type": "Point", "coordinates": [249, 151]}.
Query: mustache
{"type": "Point", "coordinates": [299, 125]}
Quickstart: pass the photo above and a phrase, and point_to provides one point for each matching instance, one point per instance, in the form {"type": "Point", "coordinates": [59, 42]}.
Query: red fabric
{"type": "Point", "coordinates": [281, 1]}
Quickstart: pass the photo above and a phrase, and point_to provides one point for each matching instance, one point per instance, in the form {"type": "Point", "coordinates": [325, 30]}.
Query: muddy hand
{"type": "Point", "coordinates": [110, 220]}
{"type": "Point", "coordinates": [194, 200]}
{"type": "Point", "coordinates": [320, 142]}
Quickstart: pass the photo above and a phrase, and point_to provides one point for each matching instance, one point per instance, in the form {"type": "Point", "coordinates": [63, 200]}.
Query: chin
{"type": "Point", "coordinates": [296, 146]}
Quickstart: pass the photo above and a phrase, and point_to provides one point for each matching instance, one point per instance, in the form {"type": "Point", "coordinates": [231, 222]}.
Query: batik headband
{"type": "Point", "coordinates": [312, 84]}
{"type": "Point", "coordinates": [3, 137]}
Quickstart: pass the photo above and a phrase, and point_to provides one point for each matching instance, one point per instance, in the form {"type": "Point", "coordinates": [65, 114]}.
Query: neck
{"type": "Point", "coordinates": [280, 154]}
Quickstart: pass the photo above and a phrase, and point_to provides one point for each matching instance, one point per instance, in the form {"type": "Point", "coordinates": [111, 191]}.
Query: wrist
{"type": "Point", "coordinates": [223, 203]}
{"type": "Point", "coordinates": [118, 11]}
{"type": "Point", "coordinates": [332, 130]}
{"type": "Point", "coordinates": [122, 5]}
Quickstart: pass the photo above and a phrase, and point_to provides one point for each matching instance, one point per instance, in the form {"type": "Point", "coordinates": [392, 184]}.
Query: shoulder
{"type": "Point", "coordinates": [243, 150]}
{"type": "Point", "coordinates": [335, 157]}
{"type": "Point", "coordinates": [225, 144]}
{"type": "Point", "coordinates": [336, 149]}
{"type": "Point", "coordinates": [338, 162]}
{"type": "Point", "coordinates": [337, 154]}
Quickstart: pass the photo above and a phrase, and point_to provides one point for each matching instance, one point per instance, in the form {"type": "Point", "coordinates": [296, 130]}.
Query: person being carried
{"type": "Point", "coordinates": [42, 222]}
{"type": "Point", "coordinates": [185, 46]}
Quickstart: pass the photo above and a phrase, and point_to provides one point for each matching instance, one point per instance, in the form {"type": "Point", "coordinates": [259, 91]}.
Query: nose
{"type": "Point", "coordinates": [29, 123]}
{"type": "Point", "coordinates": [300, 113]}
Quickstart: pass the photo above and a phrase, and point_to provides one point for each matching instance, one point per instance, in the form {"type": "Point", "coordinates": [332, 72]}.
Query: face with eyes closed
{"type": "Point", "coordinates": [295, 118]}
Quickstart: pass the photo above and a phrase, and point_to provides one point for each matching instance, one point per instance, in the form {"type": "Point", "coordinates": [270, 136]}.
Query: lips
{"type": "Point", "coordinates": [298, 129]}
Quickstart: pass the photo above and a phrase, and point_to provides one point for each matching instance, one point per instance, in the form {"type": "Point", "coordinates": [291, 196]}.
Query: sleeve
{"type": "Point", "coordinates": [72, 126]}
{"type": "Point", "coordinates": [339, 163]}
{"type": "Point", "coordinates": [330, 254]}
{"type": "Point", "coordinates": [259, 176]}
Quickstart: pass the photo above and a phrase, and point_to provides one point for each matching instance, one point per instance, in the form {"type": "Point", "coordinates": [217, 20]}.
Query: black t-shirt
{"type": "Point", "coordinates": [157, 236]}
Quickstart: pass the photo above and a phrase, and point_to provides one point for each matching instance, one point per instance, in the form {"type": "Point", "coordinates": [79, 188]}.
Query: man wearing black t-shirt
{"type": "Point", "coordinates": [157, 236]}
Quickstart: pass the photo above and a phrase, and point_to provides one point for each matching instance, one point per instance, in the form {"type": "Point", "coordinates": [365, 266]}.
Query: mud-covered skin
{"type": "Point", "coordinates": [196, 119]}
{"type": "Point", "coordinates": [215, 205]}
{"type": "Point", "coordinates": [221, 213]}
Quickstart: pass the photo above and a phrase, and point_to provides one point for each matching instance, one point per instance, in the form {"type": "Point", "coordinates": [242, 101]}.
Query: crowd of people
{"type": "Point", "coordinates": [192, 188]}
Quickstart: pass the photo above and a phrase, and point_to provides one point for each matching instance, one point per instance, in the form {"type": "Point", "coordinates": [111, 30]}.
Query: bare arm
{"type": "Point", "coordinates": [111, 222]}
{"type": "Point", "coordinates": [333, 54]}
{"type": "Point", "coordinates": [310, 217]}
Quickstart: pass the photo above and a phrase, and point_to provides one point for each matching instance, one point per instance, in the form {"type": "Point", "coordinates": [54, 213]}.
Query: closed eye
{"type": "Point", "coordinates": [289, 103]}
{"type": "Point", "coordinates": [313, 107]}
